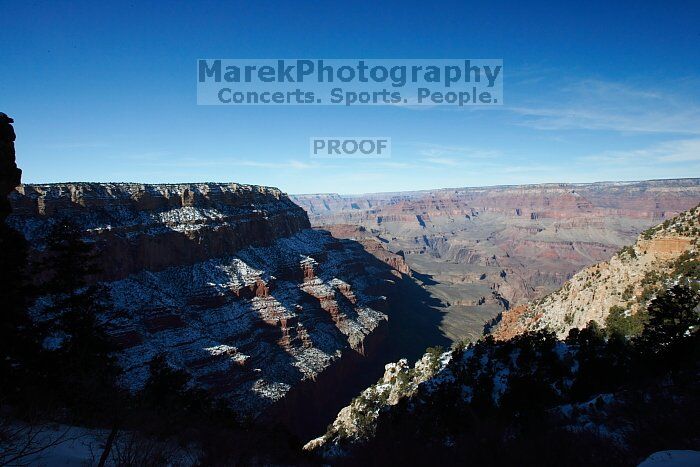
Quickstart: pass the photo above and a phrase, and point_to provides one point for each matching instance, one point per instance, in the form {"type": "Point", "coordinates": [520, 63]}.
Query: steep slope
{"type": "Point", "coordinates": [531, 400]}
{"type": "Point", "coordinates": [227, 281]}
{"type": "Point", "coordinates": [627, 282]}
{"type": "Point", "coordinates": [597, 398]}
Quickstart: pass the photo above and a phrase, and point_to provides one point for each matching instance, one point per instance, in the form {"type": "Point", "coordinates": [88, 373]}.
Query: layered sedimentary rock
{"type": "Point", "coordinates": [372, 244]}
{"type": "Point", "coordinates": [227, 281]}
{"type": "Point", "coordinates": [419, 404]}
{"type": "Point", "coordinates": [628, 281]}
{"type": "Point", "coordinates": [655, 199]}
{"type": "Point", "coordinates": [485, 250]}
{"type": "Point", "coordinates": [156, 226]}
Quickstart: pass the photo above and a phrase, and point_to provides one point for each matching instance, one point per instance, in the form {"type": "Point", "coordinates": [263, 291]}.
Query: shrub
{"type": "Point", "coordinates": [628, 251]}
{"type": "Point", "coordinates": [620, 322]}
{"type": "Point", "coordinates": [648, 233]}
{"type": "Point", "coordinates": [434, 354]}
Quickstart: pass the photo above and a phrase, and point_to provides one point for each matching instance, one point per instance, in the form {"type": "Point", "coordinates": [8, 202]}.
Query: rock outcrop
{"type": "Point", "coordinates": [357, 421]}
{"type": "Point", "coordinates": [10, 175]}
{"type": "Point", "coordinates": [153, 227]}
{"type": "Point", "coordinates": [373, 245]}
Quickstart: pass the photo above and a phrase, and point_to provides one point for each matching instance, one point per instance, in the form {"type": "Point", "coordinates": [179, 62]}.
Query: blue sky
{"type": "Point", "coordinates": [106, 91]}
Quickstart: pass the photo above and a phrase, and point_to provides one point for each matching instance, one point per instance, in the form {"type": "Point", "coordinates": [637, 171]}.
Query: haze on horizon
{"type": "Point", "coordinates": [100, 94]}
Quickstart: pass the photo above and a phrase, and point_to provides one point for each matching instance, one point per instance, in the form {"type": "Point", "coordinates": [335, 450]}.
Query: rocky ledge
{"type": "Point", "coordinates": [10, 175]}
{"type": "Point", "coordinates": [156, 226]}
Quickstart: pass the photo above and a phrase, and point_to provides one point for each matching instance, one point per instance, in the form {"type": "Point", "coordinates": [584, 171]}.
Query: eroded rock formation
{"type": "Point", "coordinates": [508, 244]}
{"type": "Point", "coordinates": [372, 245]}
{"type": "Point", "coordinates": [588, 382]}
{"type": "Point", "coordinates": [10, 175]}
{"type": "Point", "coordinates": [227, 281]}
{"type": "Point", "coordinates": [157, 226]}
{"type": "Point", "coordinates": [628, 281]}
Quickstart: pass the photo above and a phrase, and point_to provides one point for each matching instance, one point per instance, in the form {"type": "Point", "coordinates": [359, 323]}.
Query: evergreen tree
{"type": "Point", "coordinates": [86, 368]}
{"type": "Point", "coordinates": [620, 322]}
{"type": "Point", "coordinates": [670, 339]}
{"type": "Point", "coordinates": [168, 393]}
{"type": "Point", "coordinates": [673, 314]}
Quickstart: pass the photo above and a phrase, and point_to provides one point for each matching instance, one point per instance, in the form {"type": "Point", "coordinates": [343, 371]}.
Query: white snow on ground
{"type": "Point", "coordinates": [248, 325]}
{"type": "Point", "coordinates": [117, 207]}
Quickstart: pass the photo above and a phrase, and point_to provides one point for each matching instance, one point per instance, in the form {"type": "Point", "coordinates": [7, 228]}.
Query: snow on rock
{"type": "Point", "coordinates": [227, 281]}
{"type": "Point", "coordinates": [247, 327]}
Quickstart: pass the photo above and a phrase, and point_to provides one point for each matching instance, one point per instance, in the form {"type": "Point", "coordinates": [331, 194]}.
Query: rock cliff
{"type": "Point", "coordinates": [373, 245]}
{"type": "Point", "coordinates": [156, 226]}
{"type": "Point", "coordinates": [10, 175]}
{"type": "Point", "coordinates": [485, 250]}
{"type": "Point", "coordinates": [227, 281]}
{"type": "Point", "coordinates": [628, 281]}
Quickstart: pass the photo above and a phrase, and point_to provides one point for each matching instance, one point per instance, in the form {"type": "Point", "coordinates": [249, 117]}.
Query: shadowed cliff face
{"type": "Point", "coordinates": [484, 250]}
{"type": "Point", "coordinates": [616, 382]}
{"type": "Point", "coordinates": [230, 283]}
{"type": "Point", "coordinates": [10, 175]}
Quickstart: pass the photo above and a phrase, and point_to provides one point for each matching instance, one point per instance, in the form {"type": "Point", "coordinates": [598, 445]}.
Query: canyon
{"type": "Point", "coordinates": [287, 307]}
{"type": "Point", "coordinates": [230, 283]}
{"type": "Point", "coordinates": [482, 251]}
{"type": "Point", "coordinates": [561, 351]}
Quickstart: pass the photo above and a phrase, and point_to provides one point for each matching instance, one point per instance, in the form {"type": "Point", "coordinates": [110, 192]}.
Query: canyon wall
{"type": "Point", "coordinates": [652, 199]}
{"type": "Point", "coordinates": [536, 383]}
{"type": "Point", "coordinates": [628, 281]}
{"type": "Point", "coordinates": [485, 250]}
{"type": "Point", "coordinates": [229, 282]}
{"type": "Point", "coordinates": [153, 227]}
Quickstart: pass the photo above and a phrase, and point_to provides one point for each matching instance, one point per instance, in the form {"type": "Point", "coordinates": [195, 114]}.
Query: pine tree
{"type": "Point", "coordinates": [670, 339]}
{"type": "Point", "coordinates": [86, 367]}
{"type": "Point", "coordinates": [673, 314]}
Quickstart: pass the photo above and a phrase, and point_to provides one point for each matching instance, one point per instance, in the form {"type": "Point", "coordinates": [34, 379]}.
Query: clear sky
{"type": "Point", "coordinates": [106, 91]}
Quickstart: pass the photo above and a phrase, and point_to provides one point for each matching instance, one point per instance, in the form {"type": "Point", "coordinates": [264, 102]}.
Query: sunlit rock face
{"type": "Point", "coordinates": [628, 281]}
{"type": "Point", "coordinates": [227, 281]}
{"type": "Point", "coordinates": [156, 226]}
